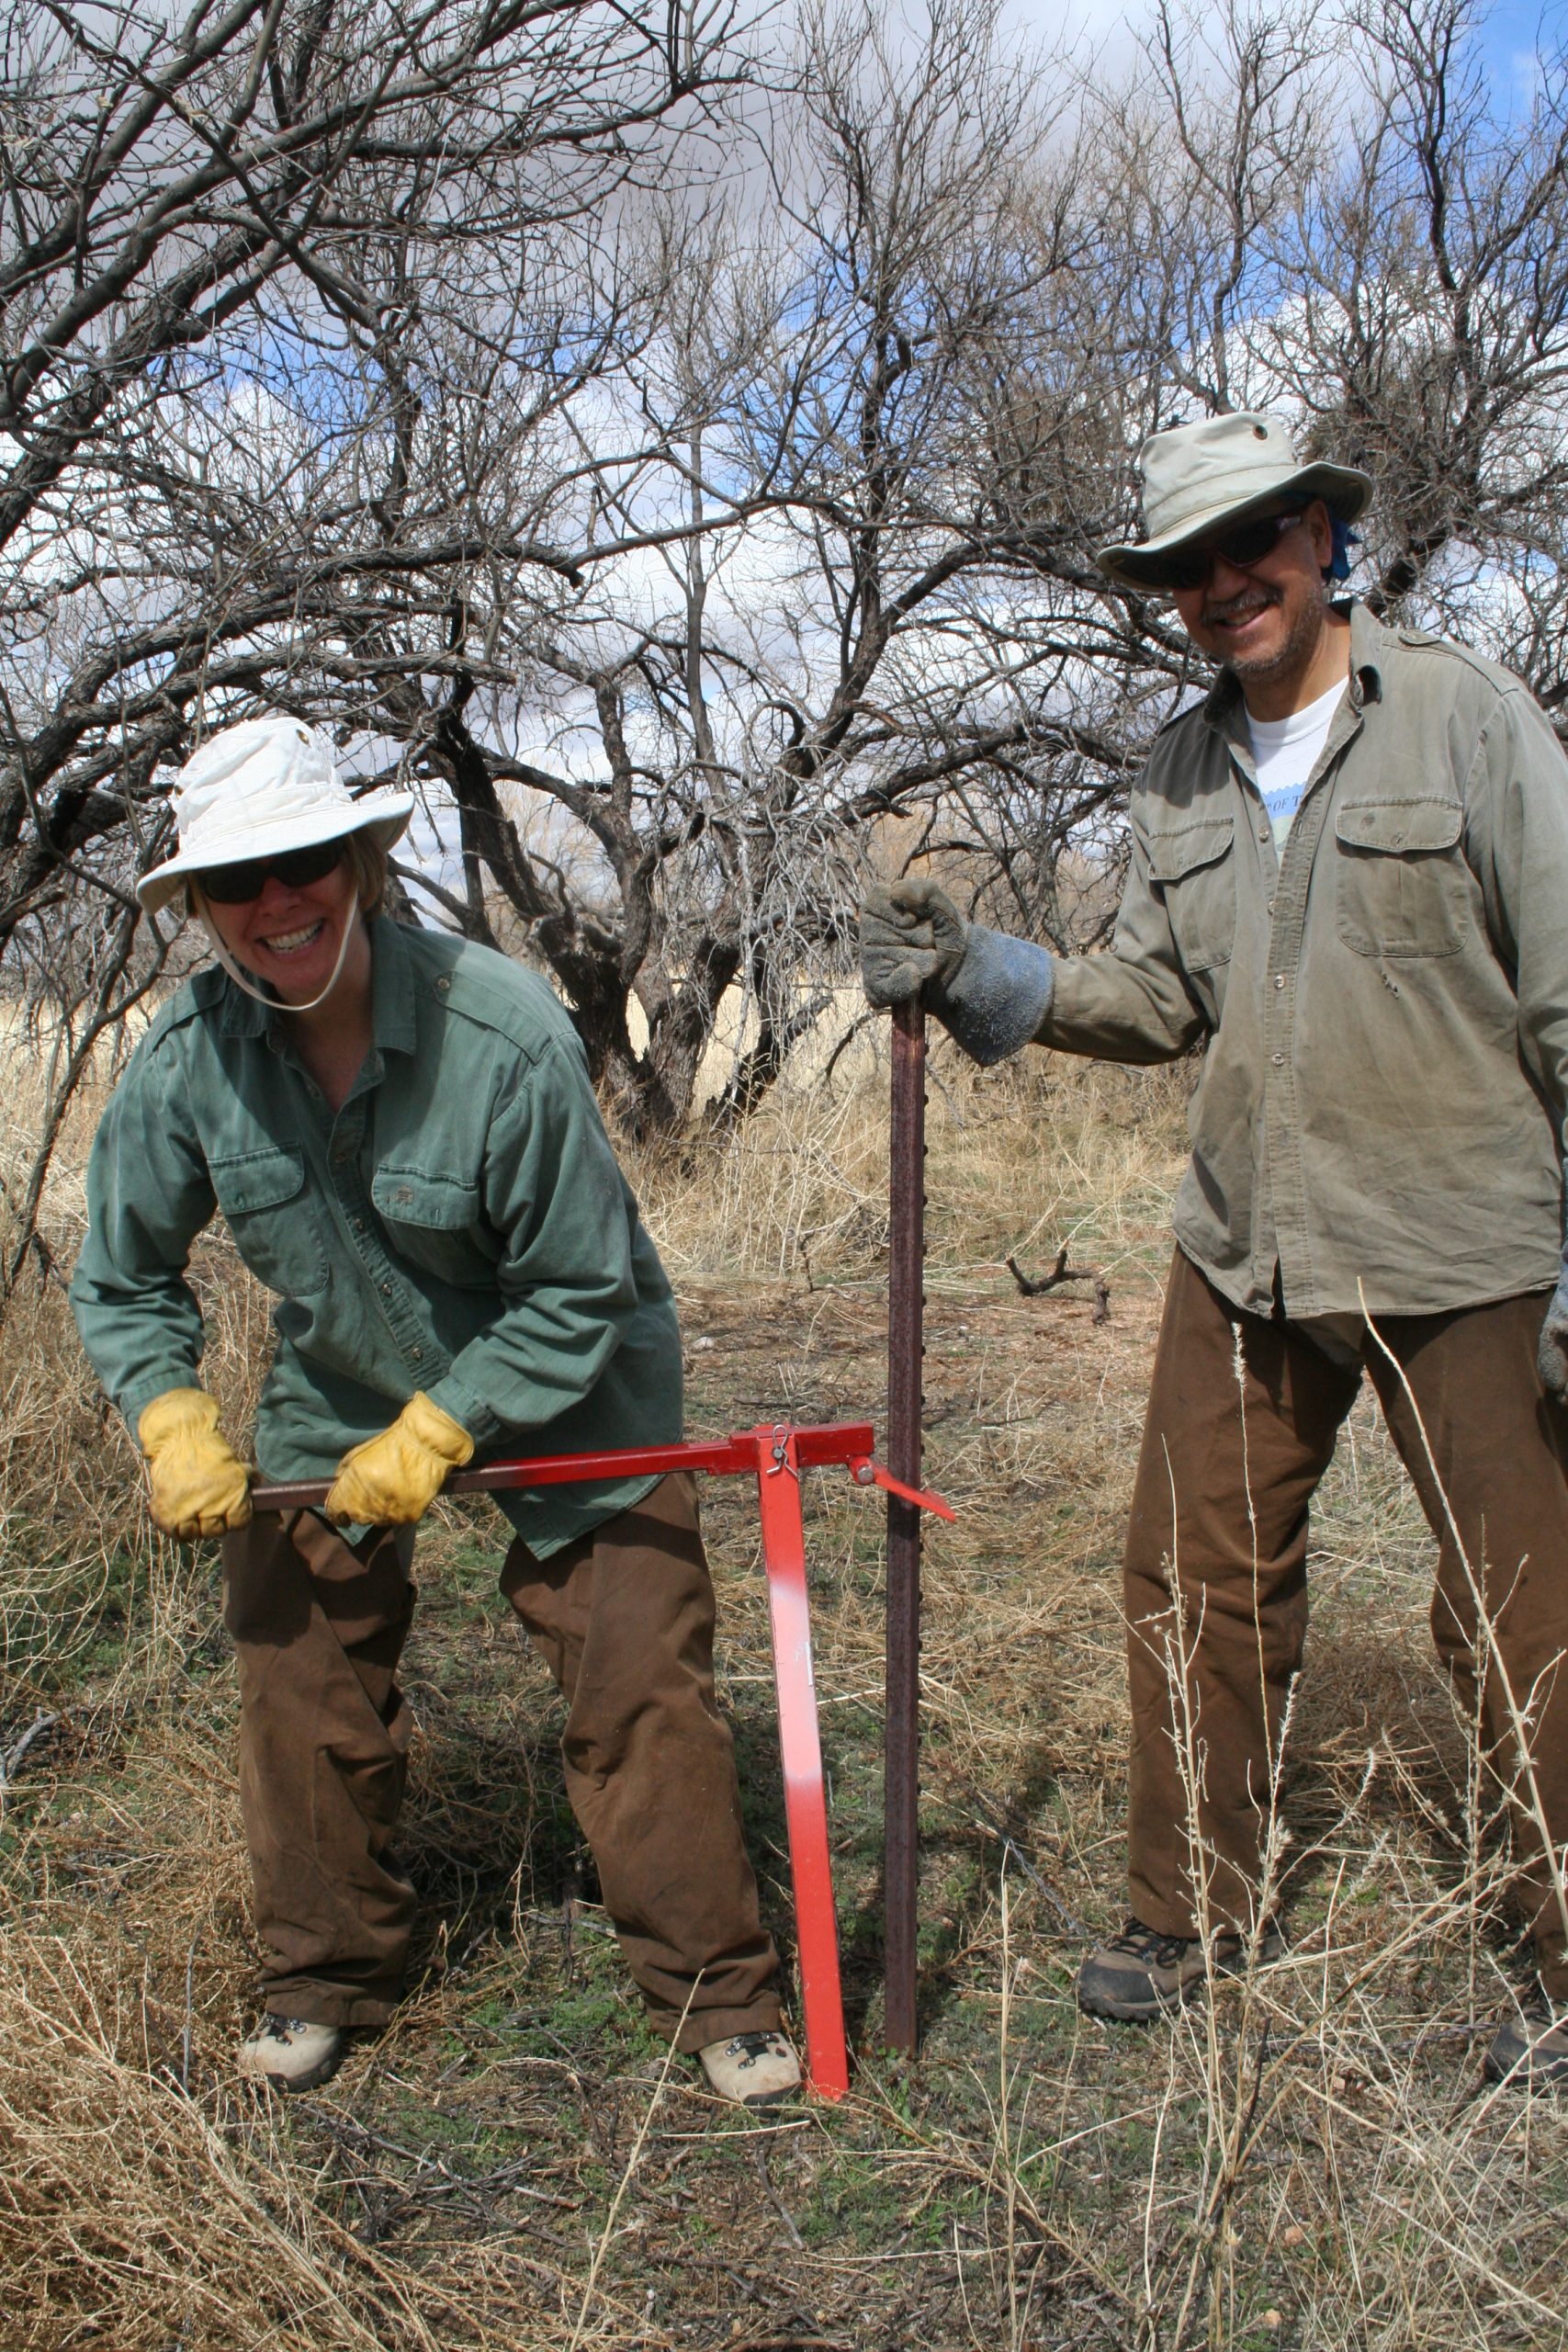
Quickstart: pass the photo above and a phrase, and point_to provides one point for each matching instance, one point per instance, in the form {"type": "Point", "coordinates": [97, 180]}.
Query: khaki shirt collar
{"type": "Point", "coordinates": [1225, 710]}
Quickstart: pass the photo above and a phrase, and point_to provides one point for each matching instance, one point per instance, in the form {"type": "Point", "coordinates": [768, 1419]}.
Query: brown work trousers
{"type": "Point", "coordinates": [624, 1619]}
{"type": "Point", "coordinates": [1242, 1419]}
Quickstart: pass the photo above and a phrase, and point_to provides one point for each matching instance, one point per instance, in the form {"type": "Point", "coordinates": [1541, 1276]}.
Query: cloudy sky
{"type": "Point", "coordinates": [1510, 38]}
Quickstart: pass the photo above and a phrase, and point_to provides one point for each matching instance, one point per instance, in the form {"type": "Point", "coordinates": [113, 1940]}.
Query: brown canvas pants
{"type": "Point", "coordinates": [624, 1618]}
{"type": "Point", "coordinates": [1242, 1419]}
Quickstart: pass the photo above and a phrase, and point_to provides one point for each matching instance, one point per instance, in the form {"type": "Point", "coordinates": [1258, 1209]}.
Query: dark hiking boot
{"type": "Point", "coordinates": [1141, 1973]}
{"type": "Point", "coordinates": [1529, 2051]}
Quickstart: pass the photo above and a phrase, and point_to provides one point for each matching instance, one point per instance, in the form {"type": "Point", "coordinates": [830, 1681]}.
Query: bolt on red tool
{"type": "Point", "coordinates": [775, 1454]}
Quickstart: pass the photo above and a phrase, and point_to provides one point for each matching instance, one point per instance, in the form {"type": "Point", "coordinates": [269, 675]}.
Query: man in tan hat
{"type": "Point", "coordinates": [1348, 885]}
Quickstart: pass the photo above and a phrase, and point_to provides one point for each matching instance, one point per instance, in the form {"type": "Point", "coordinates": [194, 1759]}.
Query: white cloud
{"type": "Point", "coordinates": [1104, 31]}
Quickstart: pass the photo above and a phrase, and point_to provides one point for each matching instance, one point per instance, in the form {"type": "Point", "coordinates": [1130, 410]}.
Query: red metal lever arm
{"type": "Point", "coordinates": [868, 1472]}
{"type": "Point", "coordinates": [816, 1446]}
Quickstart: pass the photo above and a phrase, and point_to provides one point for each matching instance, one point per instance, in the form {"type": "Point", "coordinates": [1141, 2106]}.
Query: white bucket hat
{"type": "Point", "coordinates": [1196, 477]}
{"type": "Point", "coordinates": [258, 790]}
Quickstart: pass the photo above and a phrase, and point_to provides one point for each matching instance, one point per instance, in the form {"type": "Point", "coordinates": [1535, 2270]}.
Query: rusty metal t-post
{"type": "Point", "coordinates": [906, 1311]}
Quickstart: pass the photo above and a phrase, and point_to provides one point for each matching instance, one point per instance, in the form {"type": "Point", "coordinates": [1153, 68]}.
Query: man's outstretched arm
{"type": "Point", "coordinates": [995, 994]}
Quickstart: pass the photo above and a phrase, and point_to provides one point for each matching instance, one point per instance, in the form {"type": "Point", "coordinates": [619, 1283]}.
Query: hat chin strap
{"type": "Point", "coordinates": [272, 1003]}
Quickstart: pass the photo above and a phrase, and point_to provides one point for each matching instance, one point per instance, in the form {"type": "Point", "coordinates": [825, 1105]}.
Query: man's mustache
{"type": "Point", "coordinates": [1253, 600]}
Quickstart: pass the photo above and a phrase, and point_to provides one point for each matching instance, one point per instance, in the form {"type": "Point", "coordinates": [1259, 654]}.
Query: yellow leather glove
{"type": "Point", "coordinates": [393, 1479]}
{"type": "Point", "coordinates": [197, 1483]}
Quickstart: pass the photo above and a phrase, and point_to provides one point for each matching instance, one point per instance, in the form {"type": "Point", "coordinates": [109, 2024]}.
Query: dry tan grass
{"type": "Point", "coordinates": [1311, 2163]}
{"type": "Point", "coordinates": [131, 2211]}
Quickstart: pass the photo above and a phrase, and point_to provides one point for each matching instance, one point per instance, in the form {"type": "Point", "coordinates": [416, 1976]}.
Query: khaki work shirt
{"type": "Point", "coordinates": [1382, 1003]}
{"type": "Point", "coordinates": [459, 1226]}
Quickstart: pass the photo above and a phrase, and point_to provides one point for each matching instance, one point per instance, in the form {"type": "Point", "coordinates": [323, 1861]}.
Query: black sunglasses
{"type": "Point", "coordinates": [232, 886]}
{"type": "Point", "coordinates": [1248, 543]}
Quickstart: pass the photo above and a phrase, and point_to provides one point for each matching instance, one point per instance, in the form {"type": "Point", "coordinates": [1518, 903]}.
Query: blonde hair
{"type": "Point", "coordinates": [368, 862]}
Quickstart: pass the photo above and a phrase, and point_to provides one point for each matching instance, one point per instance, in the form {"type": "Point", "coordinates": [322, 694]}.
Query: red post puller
{"type": "Point", "coordinates": [775, 1454]}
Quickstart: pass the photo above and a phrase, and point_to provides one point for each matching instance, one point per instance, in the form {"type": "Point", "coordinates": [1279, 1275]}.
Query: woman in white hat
{"type": "Point", "coordinates": [400, 1133]}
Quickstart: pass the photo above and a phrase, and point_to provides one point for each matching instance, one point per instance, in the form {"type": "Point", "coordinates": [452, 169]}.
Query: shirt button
{"type": "Point", "coordinates": [1263, 832]}
{"type": "Point", "coordinates": [1278, 980]}
{"type": "Point", "coordinates": [443, 986]}
{"type": "Point", "coordinates": [417, 1354]}
{"type": "Point", "coordinates": [386, 1290]}
{"type": "Point", "coordinates": [1270, 906]}
{"type": "Point", "coordinates": [1278, 1061]}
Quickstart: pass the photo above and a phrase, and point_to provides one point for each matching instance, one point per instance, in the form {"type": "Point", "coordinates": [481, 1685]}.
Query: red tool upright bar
{"type": "Point", "coordinates": [906, 1317]}
{"type": "Point", "coordinates": [800, 1747]}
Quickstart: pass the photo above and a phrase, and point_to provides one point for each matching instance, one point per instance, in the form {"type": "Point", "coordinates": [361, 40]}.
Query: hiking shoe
{"type": "Point", "coordinates": [753, 2069]}
{"type": "Point", "coordinates": [1141, 1973]}
{"type": "Point", "coordinates": [293, 2053]}
{"type": "Point", "coordinates": [1530, 2049]}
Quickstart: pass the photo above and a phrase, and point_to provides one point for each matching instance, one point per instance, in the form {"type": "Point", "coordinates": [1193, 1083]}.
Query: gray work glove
{"type": "Point", "coordinates": [1552, 1356]}
{"type": "Point", "coordinates": [989, 992]}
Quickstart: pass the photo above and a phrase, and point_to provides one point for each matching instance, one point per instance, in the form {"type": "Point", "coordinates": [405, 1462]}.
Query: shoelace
{"type": "Point", "coordinates": [1147, 1944]}
{"type": "Point", "coordinates": [750, 2047]}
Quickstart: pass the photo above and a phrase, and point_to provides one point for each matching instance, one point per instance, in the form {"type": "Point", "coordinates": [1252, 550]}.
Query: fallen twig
{"type": "Point", "coordinates": [11, 1764]}
{"type": "Point", "coordinates": [758, 2157]}
{"type": "Point", "coordinates": [1062, 1272]}
{"type": "Point", "coordinates": [996, 1826]}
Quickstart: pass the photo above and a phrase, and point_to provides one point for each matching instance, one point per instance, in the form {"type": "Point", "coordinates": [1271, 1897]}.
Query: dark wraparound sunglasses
{"type": "Point", "coordinates": [1248, 544]}
{"type": "Point", "coordinates": [232, 886]}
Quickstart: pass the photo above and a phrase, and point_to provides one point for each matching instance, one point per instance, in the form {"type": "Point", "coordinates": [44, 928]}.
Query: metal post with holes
{"type": "Point", "coordinates": [905, 1320]}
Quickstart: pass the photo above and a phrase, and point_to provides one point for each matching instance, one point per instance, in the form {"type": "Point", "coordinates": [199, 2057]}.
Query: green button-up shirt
{"type": "Point", "coordinates": [1383, 1002]}
{"type": "Point", "coordinates": [459, 1226]}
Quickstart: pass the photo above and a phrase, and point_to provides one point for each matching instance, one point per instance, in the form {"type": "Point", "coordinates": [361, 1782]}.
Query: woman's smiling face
{"type": "Point", "coordinates": [290, 935]}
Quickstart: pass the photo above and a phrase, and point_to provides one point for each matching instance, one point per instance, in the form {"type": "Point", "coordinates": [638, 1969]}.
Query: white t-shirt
{"type": "Point", "coordinates": [1285, 751]}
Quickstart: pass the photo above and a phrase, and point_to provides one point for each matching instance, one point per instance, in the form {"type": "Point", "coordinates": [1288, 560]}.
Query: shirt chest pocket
{"type": "Point", "coordinates": [1401, 886]}
{"type": "Point", "coordinates": [276, 1230]}
{"type": "Point", "coordinates": [436, 1223]}
{"type": "Point", "coordinates": [1193, 867]}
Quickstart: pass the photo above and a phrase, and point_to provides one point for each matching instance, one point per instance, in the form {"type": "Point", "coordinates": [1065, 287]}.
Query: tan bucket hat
{"type": "Point", "coordinates": [1197, 477]}
{"type": "Point", "coordinates": [257, 790]}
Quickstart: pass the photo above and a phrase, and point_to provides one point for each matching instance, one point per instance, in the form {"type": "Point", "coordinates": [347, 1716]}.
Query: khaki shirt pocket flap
{"type": "Point", "coordinates": [1193, 867]}
{"type": "Point", "coordinates": [245, 1180]}
{"type": "Point", "coordinates": [440, 1203]}
{"type": "Point", "coordinates": [1184, 848]}
{"type": "Point", "coordinates": [1399, 824]}
{"type": "Point", "coordinates": [1399, 887]}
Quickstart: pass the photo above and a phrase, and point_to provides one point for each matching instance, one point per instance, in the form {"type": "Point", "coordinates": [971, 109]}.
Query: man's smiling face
{"type": "Point", "coordinates": [1265, 620]}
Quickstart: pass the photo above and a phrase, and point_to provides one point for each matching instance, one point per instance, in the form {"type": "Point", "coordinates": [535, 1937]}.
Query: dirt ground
{"type": "Point", "coordinates": [1312, 2161]}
